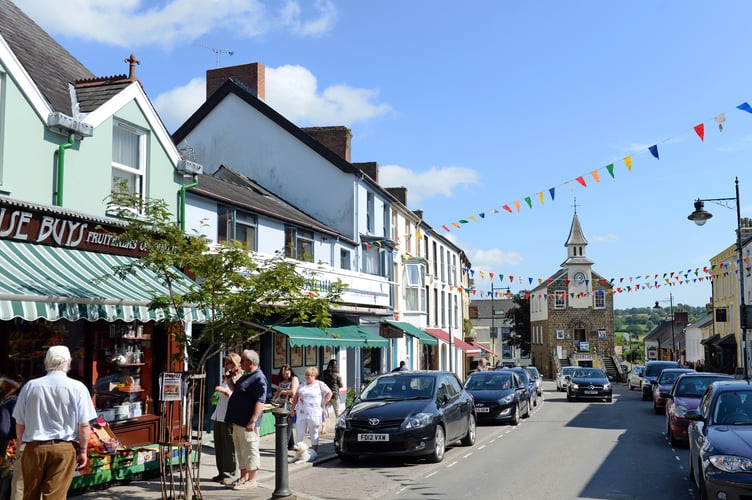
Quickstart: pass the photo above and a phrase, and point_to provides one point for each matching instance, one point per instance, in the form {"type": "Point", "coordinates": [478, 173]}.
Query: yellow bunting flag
{"type": "Point", "coordinates": [628, 162]}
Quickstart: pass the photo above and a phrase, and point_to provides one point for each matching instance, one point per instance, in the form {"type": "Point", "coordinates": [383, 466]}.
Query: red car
{"type": "Point", "coordinates": [685, 395]}
{"type": "Point", "coordinates": [663, 384]}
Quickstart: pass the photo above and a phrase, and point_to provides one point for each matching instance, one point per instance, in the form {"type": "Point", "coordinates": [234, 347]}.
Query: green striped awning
{"type": "Point", "coordinates": [52, 283]}
{"type": "Point", "coordinates": [342, 336]}
{"type": "Point", "coordinates": [415, 332]}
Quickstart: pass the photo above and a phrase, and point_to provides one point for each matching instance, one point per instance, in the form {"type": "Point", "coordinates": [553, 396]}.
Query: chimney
{"type": "Point", "coordinates": [252, 74]}
{"type": "Point", "coordinates": [370, 168]}
{"type": "Point", "coordinates": [400, 193]}
{"type": "Point", "coordinates": [681, 317]}
{"type": "Point", "coordinates": [336, 139]}
{"type": "Point", "coordinates": [419, 213]}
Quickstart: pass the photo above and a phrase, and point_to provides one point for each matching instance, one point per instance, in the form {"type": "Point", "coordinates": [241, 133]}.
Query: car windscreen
{"type": "Point", "coordinates": [694, 387]}
{"type": "Point", "coordinates": [653, 370]}
{"type": "Point", "coordinates": [489, 382]}
{"type": "Point", "coordinates": [591, 373]}
{"type": "Point", "coordinates": [668, 377]}
{"type": "Point", "coordinates": [399, 387]}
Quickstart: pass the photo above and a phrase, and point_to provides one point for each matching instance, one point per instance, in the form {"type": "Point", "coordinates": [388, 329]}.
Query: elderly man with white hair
{"type": "Point", "coordinates": [52, 424]}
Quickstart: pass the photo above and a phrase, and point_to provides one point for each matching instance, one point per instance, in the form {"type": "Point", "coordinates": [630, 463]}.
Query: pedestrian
{"type": "Point", "coordinates": [224, 450]}
{"type": "Point", "coordinates": [287, 387]}
{"type": "Point", "coordinates": [482, 365]}
{"type": "Point", "coordinates": [245, 410]}
{"type": "Point", "coordinates": [308, 406]}
{"type": "Point", "coordinates": [333, 380]}
{"type": "Point", "coordinates": [52, 421]}
{"type": "Point", "coordinates": [401, 368]}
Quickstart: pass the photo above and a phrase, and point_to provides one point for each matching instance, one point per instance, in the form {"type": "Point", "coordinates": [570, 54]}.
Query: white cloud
{"type": "Point", "coordinates": [604, 237]}
{"type": "Point", "coordinates": [490, 260]}
{"type": "Point", "coordinates": [134, 23]}
{"type": "Point", "coordinates": [435, 181]}
{"type": "Point", "coordinates": [290, 90]}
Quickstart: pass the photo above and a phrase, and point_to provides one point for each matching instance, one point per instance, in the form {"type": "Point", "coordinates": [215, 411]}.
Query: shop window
{"type": "Point", "coordinates": [128, 159]}
{"type": "Point", "coordinates": [299, 244]}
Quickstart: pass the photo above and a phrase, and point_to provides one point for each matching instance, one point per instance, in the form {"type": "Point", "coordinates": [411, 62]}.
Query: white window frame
{"type": "Point", "coordinates": [599, 300]}
{"type": "Point", "coordinates": [139, 170]}
{"type": "Point", "coordinates": [559, 334]}
{"type": "Point", "coordinates": [560, 299]}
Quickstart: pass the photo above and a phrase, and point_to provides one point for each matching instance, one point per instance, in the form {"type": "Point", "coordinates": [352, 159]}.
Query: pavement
{"type": "Point", "coordinates": [265, 477]}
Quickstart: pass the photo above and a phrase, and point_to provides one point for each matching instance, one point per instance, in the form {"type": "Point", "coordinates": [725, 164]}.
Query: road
{"type": "Point", "coordinates": [566, 450]}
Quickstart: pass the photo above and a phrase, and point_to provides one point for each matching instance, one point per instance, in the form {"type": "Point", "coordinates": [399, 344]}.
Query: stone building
{"type": "Point", "coordinates": [572, 313]}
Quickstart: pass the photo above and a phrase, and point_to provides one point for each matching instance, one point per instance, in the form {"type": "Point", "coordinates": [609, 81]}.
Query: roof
{"type": "Point", "coordinates": [49, 65]}
{"type": "Point", "coordinates": [576, 236]}
{"type": "Point", "coordinates": [484, 307]}
{"type": "Point", "coordinates": [233, 188]}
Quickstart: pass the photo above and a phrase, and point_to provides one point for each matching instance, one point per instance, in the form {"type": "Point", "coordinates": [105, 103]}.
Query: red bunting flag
{"type": "Point", "coordinates": [581, 180]}
{"type": "Point", "coordinates": [700, 131]}
{"type": "Point", "coordinates": [506, 207]}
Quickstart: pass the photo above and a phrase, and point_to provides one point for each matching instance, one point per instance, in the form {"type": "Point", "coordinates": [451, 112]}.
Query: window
{"type": "Point", "coordinates": [128, 159]}
{"type": "Point", "coordinates": [415, 275]}
{"type": "Point", "coordinates": [442, 264]}
{"type": "Point", "coordinates": [299, 244]}
{"type": "Point", "coordinates": [559, 334]}
{"type": "Point", "coordinates": [599, 300]}
{"type": "Point", "coordinates": [560, 299]}
{"type": "Point", "coordinates": [344, 259]}
{"type": "Point", "coordinates": [236, 225]}
{"type": "Point", "coordinates": [415, 294]}
{"type": "Point", "coordinates": [370, 212]}
{"type": "Point", "coordinates": [373, 260]}
{"type": "Point", "coordinates": [453, 272]}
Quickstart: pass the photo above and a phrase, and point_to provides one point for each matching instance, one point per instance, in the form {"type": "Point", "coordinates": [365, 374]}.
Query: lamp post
{"type": "Point", "coordinates": [700, 216]}
{"type": "Point", "coordinates": [673, 339]}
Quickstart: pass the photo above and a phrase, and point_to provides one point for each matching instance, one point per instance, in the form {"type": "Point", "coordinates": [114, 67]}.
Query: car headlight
{"type": "Point", "coordinates": [731, 463]}
{"type": "Point", "coordinates": [506, 399]}
{"type": "Point", "coordinates": [341, 422]}
{"type": "Point", "coordinates": [574, 386]}
{"type": "Point", "coordinates": [607, 386]}
{"type": "Point", "coordinates": [680, 411]}
{"type": "Point", "coordinates": [418, 420]}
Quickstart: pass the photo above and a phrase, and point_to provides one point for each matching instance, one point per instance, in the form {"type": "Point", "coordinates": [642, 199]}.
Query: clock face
{"type": "Point", "coordinates": [579, 277]}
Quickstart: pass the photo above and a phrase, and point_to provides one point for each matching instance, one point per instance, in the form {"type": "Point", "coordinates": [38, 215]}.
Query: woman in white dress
{"type": "Point", "coordinates": [308, 406]}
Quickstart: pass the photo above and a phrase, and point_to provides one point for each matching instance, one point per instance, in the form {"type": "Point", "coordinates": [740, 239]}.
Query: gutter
{"type": "Point", "coordinates": [61, 168]}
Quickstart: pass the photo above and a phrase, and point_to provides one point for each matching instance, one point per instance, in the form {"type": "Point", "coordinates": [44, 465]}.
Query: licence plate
{"type": "Point", "coordinates": [482, 409]}
{"type": "Point", "coordinates": [373, 437]}
{"type": "Point", "coordinates": [591, 392]}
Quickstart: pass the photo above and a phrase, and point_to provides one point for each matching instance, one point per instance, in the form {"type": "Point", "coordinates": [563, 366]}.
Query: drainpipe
{"type": "Point", "coordinates": [61, 168]}
{"type": "Point", "coordinates": [183, 189]}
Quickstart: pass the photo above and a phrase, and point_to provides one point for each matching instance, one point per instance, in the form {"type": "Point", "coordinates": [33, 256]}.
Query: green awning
{"type": "Point", "coordinates": [356, 336]}
{"type": "Point", "coordinates": [341, 336]}
{"type": "Point", "coordinates": [415, 332]}
{"type": "Point", "coordinates": [52, 283]}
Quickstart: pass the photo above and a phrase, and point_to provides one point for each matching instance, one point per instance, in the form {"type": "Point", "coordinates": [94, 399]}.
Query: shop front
{"type": "Point", "coordinates": [58, 286]}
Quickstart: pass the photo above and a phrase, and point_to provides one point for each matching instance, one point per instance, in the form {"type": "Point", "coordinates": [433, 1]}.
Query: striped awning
{"type": "Point", "coordinates": [414, 331]}
{"type": "Point", "coordinates": [341, 336]}
{"type": "Point", "coordinates": [52, 283]}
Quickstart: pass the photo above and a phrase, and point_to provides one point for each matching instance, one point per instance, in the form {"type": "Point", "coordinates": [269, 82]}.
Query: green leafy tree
{"type": "Point", "coordinates": [520, 314]}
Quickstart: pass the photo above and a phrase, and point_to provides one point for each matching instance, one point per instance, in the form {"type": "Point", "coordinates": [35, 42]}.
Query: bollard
{"type": "Point", "coordinates": [281, 486]}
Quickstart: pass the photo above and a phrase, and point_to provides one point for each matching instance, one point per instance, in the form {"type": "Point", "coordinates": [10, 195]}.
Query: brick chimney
{"type": "Point", "coordinates": [336, 139]}
{"type": "Point", "coordinates": [400, 193]}
{"type": "Point", "coordinates": [252, 74]}
{"type": "Point", "coordinates": [681, 317]}
{"type": "Point", "coordinates": [370, 168]}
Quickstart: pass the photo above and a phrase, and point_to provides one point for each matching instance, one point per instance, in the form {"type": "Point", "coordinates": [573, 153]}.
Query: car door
{"type": "Point", "coordinates": [696, 433]}
{"type": "Point", "coordinates": [450, 407]}
{"type": "Point", "coordinates": [520, 394]}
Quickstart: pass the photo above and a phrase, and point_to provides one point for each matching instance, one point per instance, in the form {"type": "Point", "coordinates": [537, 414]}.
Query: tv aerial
{"type": "Point", "coordinates": [217, 52]}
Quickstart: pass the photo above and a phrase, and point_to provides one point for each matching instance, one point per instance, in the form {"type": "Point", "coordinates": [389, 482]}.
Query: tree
{"type": "Point", "coordinates": [243, 295]}
{"type": "Point", "coordinates": [520, 314]}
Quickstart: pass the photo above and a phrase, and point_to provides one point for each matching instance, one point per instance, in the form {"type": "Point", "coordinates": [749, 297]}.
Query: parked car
{"type": "Point", "coordinates": [415, 413]}
{"type": "Point", "coordinates": [720, 433]}
{"type": "Point", "coordinates": [500, 396]}
{"type": "Point", "coordinates": [537, 377]}
{"type": "Point", "coordinates": [652, 370]}
{"type": "Point", "coordinates": [663, 385]}
{"type": "Point", "coordinates": [528, 382]}
{"type": "Point", "coordinates": [589, 383]}
{"type": "Point", "coordinates": [634, 379]}
{"type": "Point", "coordinates": [685, 395]}
{"type": "Point", "coordinates": [562, 378]}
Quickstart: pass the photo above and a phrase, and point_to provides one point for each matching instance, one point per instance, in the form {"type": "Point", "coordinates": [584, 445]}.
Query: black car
{"type": "Point", "coordinates": [720, 440]}
{"type": "Point", "coordinates": [500, 396]}
{"type": "Point", "coordinates": [589, 383]}
{"type": "Point", "coordinates": [525, 378]}
{"type": "Point", "coordinates": [652, 370]}
{"type": "Point", "coordinates": [414, 413]}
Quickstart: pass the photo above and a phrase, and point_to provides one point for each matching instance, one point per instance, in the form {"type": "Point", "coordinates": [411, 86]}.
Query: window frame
{"type": "Point", "coordinates": [138, 172]}
{"type": "Point", "coordinates": [560, 299]}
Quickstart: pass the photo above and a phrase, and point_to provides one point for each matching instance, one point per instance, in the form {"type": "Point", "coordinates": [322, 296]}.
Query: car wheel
{"type": "Point", "coordinates": [348, 459]}
{"type": "Point", "coordinates": [516, 415]}
{"type": "Point", "coordinates": [439, 446]}
{"type": "Point", "coordinates": [469, 438]}
{"type": "Point", "coordinates": [629, 384]}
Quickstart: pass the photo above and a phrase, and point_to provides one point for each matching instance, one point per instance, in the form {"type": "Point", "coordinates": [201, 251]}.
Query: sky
{"type": "Point", "coordinates": [480, 106]}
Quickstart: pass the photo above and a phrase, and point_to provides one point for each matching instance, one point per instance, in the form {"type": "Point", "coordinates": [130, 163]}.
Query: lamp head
{"type": "Point", "coordinates": [700, 216]}
{"type": "Point", "coordinates": [656, 306]}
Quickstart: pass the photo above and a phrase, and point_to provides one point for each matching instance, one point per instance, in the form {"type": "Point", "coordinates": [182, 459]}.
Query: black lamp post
{"type": "Point", "coordinates": [673, 339]}
{"type": "Point", "coordinates": [700, 216]}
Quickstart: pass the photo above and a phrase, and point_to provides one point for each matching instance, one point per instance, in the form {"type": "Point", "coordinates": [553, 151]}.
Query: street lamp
{"type": "Point", "coordinates": [700, 216]}
{"type": "Point", "coordinates": [673, 340]}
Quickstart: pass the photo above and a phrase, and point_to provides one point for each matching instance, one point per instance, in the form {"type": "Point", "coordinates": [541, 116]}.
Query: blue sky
{"type": "Point", "coordinates": [476, 107]}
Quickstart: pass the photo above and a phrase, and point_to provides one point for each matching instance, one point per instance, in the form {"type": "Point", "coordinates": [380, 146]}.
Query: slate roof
{"type": "Point", "coordinates": [50, 66]}
{"type": "Point", "coordinates": [235, 189]}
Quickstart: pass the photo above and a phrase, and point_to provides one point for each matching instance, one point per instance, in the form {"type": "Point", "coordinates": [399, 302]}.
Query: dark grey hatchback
{"type": "Point", "coordinates": [415, 413]}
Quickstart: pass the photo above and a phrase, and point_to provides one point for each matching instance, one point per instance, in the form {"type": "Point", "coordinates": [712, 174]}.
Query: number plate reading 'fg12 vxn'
{"type": "Point", "coordinates": [373, 437]}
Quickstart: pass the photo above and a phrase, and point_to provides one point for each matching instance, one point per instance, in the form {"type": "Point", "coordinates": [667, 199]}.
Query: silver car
{"type": "Point", "coordinates": [634, 379]}
{"type": "Point", "coordinates": [563, 377]}
{"type": "Point", "coordinates": [537, 377]}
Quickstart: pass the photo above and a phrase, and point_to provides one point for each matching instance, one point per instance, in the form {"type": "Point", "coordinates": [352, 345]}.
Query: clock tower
{"type": "Point", "coordinates": [578, 267]}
